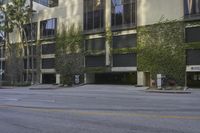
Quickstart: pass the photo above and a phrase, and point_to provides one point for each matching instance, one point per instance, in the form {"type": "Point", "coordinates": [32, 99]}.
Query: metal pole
{"type": "Point", "coordinates": [185, 87]}
{"type": "Point", "coordinates": [32, 53]}
{"type": "Point", "coordinates": [1, 65]}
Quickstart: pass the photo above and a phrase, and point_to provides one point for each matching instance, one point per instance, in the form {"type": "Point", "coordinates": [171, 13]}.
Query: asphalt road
{"type": "Point", "coordinates": [98, 109]}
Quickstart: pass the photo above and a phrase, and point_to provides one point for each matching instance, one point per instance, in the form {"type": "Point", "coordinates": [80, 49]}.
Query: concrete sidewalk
{"type": "Point", "coordinates": [43, 87]}
{"type": "Point", "coordinates": [170, 91]}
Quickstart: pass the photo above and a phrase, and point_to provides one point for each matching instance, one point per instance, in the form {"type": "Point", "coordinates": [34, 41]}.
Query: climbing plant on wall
{"type": "Point", "coordinates": [69, 53]}
{"type": "Point", "coordinates": [161, 50]}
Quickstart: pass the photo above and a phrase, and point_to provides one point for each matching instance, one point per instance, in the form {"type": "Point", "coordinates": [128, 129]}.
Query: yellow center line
{"type": "Point", "coordinates": [104, 113]}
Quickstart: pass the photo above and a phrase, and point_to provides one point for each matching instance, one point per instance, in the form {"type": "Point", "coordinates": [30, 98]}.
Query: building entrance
{"type": "Point", "coordinates": [193, 79]}
{"type": "Point", "coordinates": [48, 78]}
{"type": "Point", "coordinates": [116, 78]}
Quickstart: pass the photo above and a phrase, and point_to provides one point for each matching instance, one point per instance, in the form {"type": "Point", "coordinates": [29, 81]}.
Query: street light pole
{"type": "Point", "coordinates": [32, 53]}
{"type": "Point", "coordinates": [1, 70]}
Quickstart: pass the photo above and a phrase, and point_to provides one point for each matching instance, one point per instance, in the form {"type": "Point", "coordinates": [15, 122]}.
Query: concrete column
{"type": "Point", "coordinates": [107, 25]}
{"type": "Point", "coordinates": [140, 79]}
{"type": "Point", "coordinates": [57, 78]}
{"type": "Point", "coordinates": [41, 78]}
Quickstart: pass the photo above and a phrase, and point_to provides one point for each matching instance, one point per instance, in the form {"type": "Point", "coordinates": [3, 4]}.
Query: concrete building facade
{"type": "Point", "coordinates": [104, 62]}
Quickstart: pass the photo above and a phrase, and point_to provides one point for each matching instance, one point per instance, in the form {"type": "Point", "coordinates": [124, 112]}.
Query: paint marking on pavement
{"type": "Point", "coordinates": [104, 113]}
{"type": "Point", "coordinates": [132, 114]}
{"type": "Point", "coordinates": [38, 100]}
{"type": "Point", "coordinates": [8, 99]}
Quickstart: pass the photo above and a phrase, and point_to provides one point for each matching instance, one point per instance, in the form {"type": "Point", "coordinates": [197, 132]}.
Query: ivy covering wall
{"type": "Point", "coordinates": [69, 53]}
{"type": "Point", "coordinates": [161, 50]}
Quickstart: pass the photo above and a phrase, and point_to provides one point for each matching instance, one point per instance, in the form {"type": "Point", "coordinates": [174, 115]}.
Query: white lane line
{"type": "Point", "coordinates": [37, 100]}
{"type": "Point", "coordinates": [8, 99]}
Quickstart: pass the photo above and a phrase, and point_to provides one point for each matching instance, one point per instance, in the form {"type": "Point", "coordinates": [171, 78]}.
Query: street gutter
{"type": "Point", "coordinates": [169, 91]}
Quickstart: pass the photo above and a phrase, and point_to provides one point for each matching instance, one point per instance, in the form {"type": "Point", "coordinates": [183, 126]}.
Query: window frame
{"type": "Point", "coordinates": [46, 3]}
{"type": "Point", "coordinates": [42, 32]}
{"type": "Point", "coordinates": [133, 16]}
{"type": "Point", "coordinates": [87, 12]}
{"type": "Point", "coordinates": [194, 13]}
{"type": "Point", "coordinates": [28, 34]}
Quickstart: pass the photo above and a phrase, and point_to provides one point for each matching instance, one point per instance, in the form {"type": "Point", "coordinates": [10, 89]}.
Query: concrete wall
{"type": "Point", "coordinates": [150, 11]}
{"type": "Point", "coordinates": [67, 13]}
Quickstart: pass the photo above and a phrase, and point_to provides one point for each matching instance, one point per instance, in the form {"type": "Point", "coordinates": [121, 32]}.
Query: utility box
{"type": "Point", "coordinates": [159, 81]}
{"type": "Point", "coordinates": [77, 79]}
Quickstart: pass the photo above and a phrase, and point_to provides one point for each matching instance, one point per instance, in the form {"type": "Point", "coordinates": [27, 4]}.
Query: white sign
{"type": "Point", "coordinates": [195, 68]}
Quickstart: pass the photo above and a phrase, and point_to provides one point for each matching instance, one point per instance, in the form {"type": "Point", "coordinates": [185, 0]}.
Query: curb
{"type": "Point", "coordinates": [169, 91]}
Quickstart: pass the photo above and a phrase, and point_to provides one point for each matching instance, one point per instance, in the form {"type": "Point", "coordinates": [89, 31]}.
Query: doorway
{"type": "Point", "coordinates": [48, 78]}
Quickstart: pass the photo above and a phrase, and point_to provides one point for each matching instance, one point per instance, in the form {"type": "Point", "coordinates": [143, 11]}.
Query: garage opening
{"type": "Point", "coordinates": [193, 79]}
{"type": "Point", "coordinates": [116, 78]}
{"type": "Point", "coordinates": [48, 78]}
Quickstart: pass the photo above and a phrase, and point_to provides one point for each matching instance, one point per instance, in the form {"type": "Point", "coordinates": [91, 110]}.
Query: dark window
{"type": "Point", "coordinates": [193, 79]}
{"type": "Point", "coordinates": [2, 36]}
{"type": "Point", "coordinates": [30, 50]}
{"type": "Point", "coordinates": [30, 63]}
{"type": "Point", "coordinates": [124, 60]}
{"type": "Point", "coordinates": [27, 35]}
{"type": "Point", "coordinates": [2, 51]}
{"type": "Point", "coordinates": [193, 57]}
{"type": "Point", "coordinates": [2, 65]}
{"type": "Point", "coordinates": [48, 78]}
{"type": "Point", "coordinates": [192, 34]}
{"type": "Point", "coordinates": [95, 44]}
{"type": "Point", "coordinates": [48, 28]}
{"type": "Point", "coordinates": [191, 7]}
{"type": "Point", "coordinates": [95, 61]}
{"type": "Point", "coordinates": [124, 41]}
{"type": "Point", "coordinates": [123, 12]}
{"type": "Point", "coordinates": [49, 3]}
{"type": "Point", "coordinates": [93, 14]}
{"type": "Point", "coordinates": [48, 48]}
{"type": "Point", "coordinates": [48, 63]}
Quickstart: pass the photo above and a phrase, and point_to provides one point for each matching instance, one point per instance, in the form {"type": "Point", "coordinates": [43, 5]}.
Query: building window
{"type": "Point", "coordinates": [123, 12]}
{"type": "Point", "coordinates": [48, 63]}
{"type": "Point", "coordinates": [192, 34]}
{"type": "Point", "coordinates": [192, 7]}
{"type": "Point", "coordinates": [95, 61]}
{"type": "Point", "coordinates": [31, 47]}
{"type": "Point", "coordinates": [2, 51]}
{"type": "Point", "coordinates": [125, 41]}
{"type": "Point", "coordinates": [193, 56]}
{"type": "Point", "coordinates": [48, 28]}
{"type": "Point", "coordinates": [48, 48]}
{"type": "Point", "coordinates": [95, 44]}
{"type": "Point", "coordinates": [125, 60]}
{"type": "Point", "coordinates": [196, 77]}
{"type": "Point", "coordinates": [2, 36]}
{"type": "Point", "coordinates": [27, 35]}
{"type": "Point", "coordinates": [93, 14]}
{"type": "Point", "coordinates": [30, 63]}
{"type": "Point", "coordinates": [48, 3]}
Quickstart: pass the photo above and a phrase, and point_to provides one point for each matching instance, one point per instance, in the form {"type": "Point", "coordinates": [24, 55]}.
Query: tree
{"type": "Point", "coordinates": [69, 53]}
{"type": "Point", "coordinates": [161, 50]}
{"type": "Point", "coordinates": [16, 15]}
